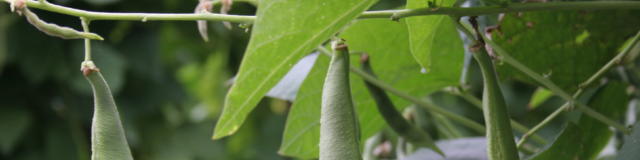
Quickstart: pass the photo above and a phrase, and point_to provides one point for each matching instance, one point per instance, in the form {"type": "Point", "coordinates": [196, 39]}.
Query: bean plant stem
{"type": "Point", "coordinates": [394, 14]}
{"type": "Point", "coordinates": [428, 105]}
{"type": "Point", "coordinates": [517, 7]}
{"type": "Point", "coordinates": [87, 42]}
{"type": "Point", "coordinates": [92, 15]}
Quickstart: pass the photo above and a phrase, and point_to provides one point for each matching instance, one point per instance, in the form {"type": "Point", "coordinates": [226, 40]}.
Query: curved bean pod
{"type": "Point", "coordinates": [56, 30]}
{"type": "Point", "coordinates": [393, 118]}
{"type": "Point", "coordinates": [500, 140]}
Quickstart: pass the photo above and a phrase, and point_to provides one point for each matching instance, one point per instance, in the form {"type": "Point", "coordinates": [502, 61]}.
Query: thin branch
{"type": "Point", "coordinates": [92, 15]}
{"type": "Point", "coordinates": [519, 7]}
{"type": "Point", "coordinates": [616, 60]}
{"type": "Point", "coordinates": [394, 14]}
{"type": "Point", "coordinates": [87, 42]}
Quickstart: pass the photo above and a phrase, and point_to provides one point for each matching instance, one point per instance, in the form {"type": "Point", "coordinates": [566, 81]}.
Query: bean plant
{"type": "Point", "coordinates": [376, 74]}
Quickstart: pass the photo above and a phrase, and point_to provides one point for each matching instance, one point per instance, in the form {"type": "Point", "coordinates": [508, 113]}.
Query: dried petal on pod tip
{"type": "Point", "coordinates": [202, 28]}
{"type": "Point", "coordinates": [88, 67]}
{"type": "Point", "coordinates": [226, 7]}
{"type": "Point", "coordinates": [203, 7]}
{"type": "Point", "coordinates": [17, 6]}
{"type": "Point", "coordinates": [339, 45]}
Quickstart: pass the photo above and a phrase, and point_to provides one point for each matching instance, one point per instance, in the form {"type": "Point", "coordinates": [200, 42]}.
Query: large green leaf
{"type": "Point", "coordinates": [302, 132]}
{"type": "Point", "coordinates": [566, 46]}
{"type": "Point", "coordinates": [284, 32]}
{"type": "Point", "coordinates": [387, 44]}
{"type": "Point", "coordinates": [588, 137]}
{"type": "Point", "coordinates": [431, 35]}
{"type": "Point", "coordinates": [565, 146]}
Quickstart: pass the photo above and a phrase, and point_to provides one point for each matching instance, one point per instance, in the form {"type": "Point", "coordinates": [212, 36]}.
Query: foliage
{"type": "Point", "coordinates": [172, 89]}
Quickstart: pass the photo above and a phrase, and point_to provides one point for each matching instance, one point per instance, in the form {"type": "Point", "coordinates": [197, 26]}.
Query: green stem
{"type": "Point", "coordinates": [616, 60]}
{"type": "Point", "coordinates": [446, 127]}
{"type": "Point", "coordinates": [428, 105]}
{"type": "Point", "coordinates": [519, 7]}
{"type": "Point", "coordinates": [456, 11]}
{"type": "Point", "coordinates": [469, 98]}
{"type": "Point", "coordinates": [87, 42]}
{"type": "Point", "coordinates": [92, 15]}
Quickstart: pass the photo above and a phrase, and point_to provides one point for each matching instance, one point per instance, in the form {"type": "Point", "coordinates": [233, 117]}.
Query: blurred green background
{"type": "Point", "coordinates": [168, 83]}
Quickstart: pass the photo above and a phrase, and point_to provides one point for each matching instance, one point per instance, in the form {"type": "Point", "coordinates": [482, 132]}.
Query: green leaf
{"type": "Point", "coordinates": [387, 44]}
{"type": "Point", "coordinates": [432, 35]}
{"type": "Point", "coordinates": [539, 96]}
{"type": "Point", "coordinates": [565, 146]}
{"type": "Point", "coordinates": [568, 47]}
{"type": "Point", "coordinates": [302, 132]}
{"type": "Point", "coordinates": [588, 137]}
{"type": "Point", "coordinates": [631, 146]}
{"type": "Point", "coordinates": [284, 32]}
{"type": "Point", "coordinates": [13, 124]}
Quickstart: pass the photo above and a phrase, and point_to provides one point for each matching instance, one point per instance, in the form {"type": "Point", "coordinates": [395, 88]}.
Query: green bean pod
{"type": "Point", "coordinates": [108, 141]}
{"type": "Point", "coordinates": [393, 118]}
{"type": "Point", "coordinates": [56, 30]}
{"type": "Point", "coordinates": [500, 140]}
{"type": "Point", "coordinates": [339, 133]}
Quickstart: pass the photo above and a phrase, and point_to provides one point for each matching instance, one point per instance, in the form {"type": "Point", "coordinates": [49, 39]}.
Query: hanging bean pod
{"type": "Point", "coordinates": [393, 118]}
{"type": "Point", "coordinates": [108, 141]}
{"type": "Point", "coordinates": [500, 140]}
{"type": "Point", "coordinates": [339, 133]}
